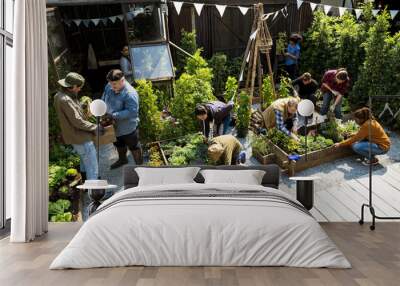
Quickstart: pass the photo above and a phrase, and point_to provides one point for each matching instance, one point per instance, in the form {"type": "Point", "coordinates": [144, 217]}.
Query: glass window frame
{"type": "Point", "coordinates": [6, 40]}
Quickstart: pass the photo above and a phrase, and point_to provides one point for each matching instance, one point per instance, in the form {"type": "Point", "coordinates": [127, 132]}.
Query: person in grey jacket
{"type": "Point", "coordinates": [123, 107]}
{"type": "Point", "coordinates": [126, 64]}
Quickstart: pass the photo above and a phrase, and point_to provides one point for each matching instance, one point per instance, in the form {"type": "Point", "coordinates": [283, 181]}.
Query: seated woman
{"type": "Point", "coordinates": [380, 142]}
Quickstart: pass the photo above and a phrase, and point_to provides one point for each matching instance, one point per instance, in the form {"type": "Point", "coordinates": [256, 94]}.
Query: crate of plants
{"type": "Point", "coordinates": [156, 155]}
{"type": "Point", "coordinates": [320, 150]}
{"type": "Point", "coordinates": [262, 150]}
{"type": "Point", "coordinates": [186, 150]}
{"type": "Point", "coordinates": [63, 195]}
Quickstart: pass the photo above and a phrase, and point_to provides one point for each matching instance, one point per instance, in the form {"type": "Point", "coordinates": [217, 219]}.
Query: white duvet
{"type": "Point", "coordinates": [204, 231]}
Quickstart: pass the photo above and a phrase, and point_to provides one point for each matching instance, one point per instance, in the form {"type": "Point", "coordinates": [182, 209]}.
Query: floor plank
{"type": "Point", "coordinates": [375, 257]}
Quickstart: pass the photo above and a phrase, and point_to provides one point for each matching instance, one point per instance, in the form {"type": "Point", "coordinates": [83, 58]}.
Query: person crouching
{"type": "Point", "coordinates": [226, 150]}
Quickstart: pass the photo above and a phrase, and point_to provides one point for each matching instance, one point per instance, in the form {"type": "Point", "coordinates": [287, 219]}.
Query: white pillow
{"type": "Point", "coordinates": [166, 176]}
{"type": "Point", "coordinates": [246, 177]}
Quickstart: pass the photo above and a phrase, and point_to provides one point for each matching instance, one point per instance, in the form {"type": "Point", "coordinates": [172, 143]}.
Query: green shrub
{"type": "Point", "coordinates": [267, 92]}
{"type": "Point", "coordinates": [57, 211]}
{"type": "Point", "coordinates": [281, 43]}
{"type": "Point", "coordinates": [150, 117]}
{"type": "Point", "coordinates": [218, 65]}
{"type": "Point", "coordinates": [231, 88]}
{"type": "Point", "coordinates": [187, 43]}
{"type": "Point", "coordinates": [57, 175]}
{"type": "Point", "coordinates": [260, 145]}
{"type": "Point", "coordinates": [285, 89]}
{"type": "Point", "coordinates": [243, 114]}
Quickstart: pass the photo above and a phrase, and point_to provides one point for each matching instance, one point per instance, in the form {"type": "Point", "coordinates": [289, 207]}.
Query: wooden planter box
{"type": "Point", "coordinates": [314, 158]}
{"type": "Point", "coordinates": [264, 159]}
{"type": "Point", "coordinates": [157, 145]}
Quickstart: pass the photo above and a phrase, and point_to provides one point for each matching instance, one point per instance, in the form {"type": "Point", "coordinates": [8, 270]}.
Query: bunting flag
{"type": "Point", "coordinates": [284, 12]}
{"type": "Point", "coordinates": [299, 3]}
{"type": "Point", "coordinates": [77, 22]}
{"type": "Point", "coordinates": [121, 17]}
{"type": "Point", "coordinates": [105, 21]}
{"type": "Point", "coordinates": [327, 8]}
{"type": "Point", "coordinates": [86, 23]}
{"type": "Point", "coordinates": [178, 6]}
{"type": "Point", "coordinates": [243, 10]}
{"type": "Point", "coordinates": [96, 21]}
{"type": "Point", "coordinates": [313, 6]}
{"type": "Point", "coordinates": [221, 9]}
{"type": "Point", "coordinates": [113, 19]}
{"type": "Point", "coordinates": [375, 12]}
{"type": "Point", "coordinates": [393, 13]}
{"type": "Point", "coordinates": [275, 15]}
{"type": "Point", "coordinates": [253, 35]}
{"type": "Point", "coordinates": [342, 10]}
{"type": "Point", "coordinates": [198, 8]}
{"type": "Point", "coordinates": [358, 13]}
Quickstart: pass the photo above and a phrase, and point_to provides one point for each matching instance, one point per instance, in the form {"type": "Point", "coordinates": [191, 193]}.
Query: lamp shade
{"type": "Point", "coordinates": [305, 107]}
{"type": "Point", "coordinates": [98, 107]}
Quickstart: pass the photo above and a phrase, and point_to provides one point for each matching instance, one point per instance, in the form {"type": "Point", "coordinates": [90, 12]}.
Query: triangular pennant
{"type": "Point", "coordinates": [248, 57]}
{"type": "Point", "coordinates": [86, 23]}
{"type": "Point", "coordinates": [342, 10]}
{"type": "Point", "coordinates": [104, 21]}
{"type": "Point", "coordinates": [221, 9]}
{"type": "Point", "coordinates": [243, 10]}
{"type": "Point", "coordinates": [313, 6]}
{"type": "Point", "coordinates": [113, 19]}
{"type": "Point", "coordinates": [121, 17]}
{"type": "Point", "coordinates": [198, 8]}
{"type": "Point", "coordinates": [327, 8]}
{"type": "Point", "coordinates": [96, 21]}
{"type": "Point", "coordinates": [275, 15]}
{"type": "Point", "coordinates": [358, 13]}
{"type": "Point", "coordinates": [299, 3]}
{"type": "Point", "coordinates": [77, 22]}
{"type": "Point", "coordinates": [178, 6]}
{"type": "Point", "coordinates": [284, 12]}
{"type": "Point", "coordinates": [393, 13]}
{"type": "Point", "coordinates": [375, 12]}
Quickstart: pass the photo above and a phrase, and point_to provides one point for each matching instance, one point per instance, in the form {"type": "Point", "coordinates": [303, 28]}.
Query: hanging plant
{"type": "Point", "coordinates": [243, 114]}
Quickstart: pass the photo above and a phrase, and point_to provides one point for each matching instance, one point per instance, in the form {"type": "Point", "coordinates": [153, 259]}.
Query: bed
{"type": "Point", "coordinates": [201, 224]}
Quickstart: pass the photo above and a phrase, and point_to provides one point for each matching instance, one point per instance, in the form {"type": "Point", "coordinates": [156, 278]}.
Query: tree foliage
{"type": "Point", "coordinates": [218, 63]}
{"type": "Point", "coordinates": [243, 113]}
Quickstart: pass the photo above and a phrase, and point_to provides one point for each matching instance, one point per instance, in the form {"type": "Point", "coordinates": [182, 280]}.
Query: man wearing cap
{"type": "Point", "coordinates": [225, 150]}
{"type": "Point", "coordinates": [75, 129]}
{"type": "Point", "coordinates": [123, 107]}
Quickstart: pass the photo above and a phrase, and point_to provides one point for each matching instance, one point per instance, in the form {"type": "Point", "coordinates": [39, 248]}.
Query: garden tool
{"type": "Point", "coordinates": [122, 159]}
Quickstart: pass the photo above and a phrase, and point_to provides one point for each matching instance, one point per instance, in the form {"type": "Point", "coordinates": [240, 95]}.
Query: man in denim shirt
{"type": "Point", "coordinates": [123, 107]}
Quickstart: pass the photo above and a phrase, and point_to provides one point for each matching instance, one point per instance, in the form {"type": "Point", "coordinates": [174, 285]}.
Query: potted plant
{"type": "Point", "coordinates": [243, 114]}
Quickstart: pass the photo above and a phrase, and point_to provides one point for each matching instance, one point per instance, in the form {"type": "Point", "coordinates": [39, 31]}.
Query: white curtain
{"type": "Point", "coordinates": [27, 123]}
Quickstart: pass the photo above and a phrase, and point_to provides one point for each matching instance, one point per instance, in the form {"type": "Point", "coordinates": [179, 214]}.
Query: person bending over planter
{"type": "Point", "coordinates": [225, 150]}
{"type": "Point", "coordinates": [335, 84]}
{"type": "Point", "coordinates": [123, 107]}
{"type": "Point", "coordinates": [307, 87]}
{"type": "Point", "coordinates": [380, 142]}
{"type": "Point", "coordinates": [282, 114]}
{"type": "Point", "coordinates": [215, 115]}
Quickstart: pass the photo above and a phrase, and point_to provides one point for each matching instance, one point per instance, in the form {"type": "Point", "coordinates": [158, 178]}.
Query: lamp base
{"type": "Point", "coordinates": [95, 195]}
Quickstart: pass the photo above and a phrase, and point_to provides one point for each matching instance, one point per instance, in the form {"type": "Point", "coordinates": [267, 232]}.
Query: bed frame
{"type": "Point", "coordinates": [270, 179]}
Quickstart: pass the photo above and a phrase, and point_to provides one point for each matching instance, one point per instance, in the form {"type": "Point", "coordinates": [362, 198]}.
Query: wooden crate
{"type": "Point", "coordinates": [264, 159]}
{"type": "Point", "coordinates": [314, 158]}
{"type": "Point", "coordinates": [160, 150]}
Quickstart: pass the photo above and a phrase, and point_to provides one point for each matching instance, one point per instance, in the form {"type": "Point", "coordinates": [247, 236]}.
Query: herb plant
{"type": "Point", "coordinates": [243, 114]}
{"type": "Point", "coordinates": [267, 93]}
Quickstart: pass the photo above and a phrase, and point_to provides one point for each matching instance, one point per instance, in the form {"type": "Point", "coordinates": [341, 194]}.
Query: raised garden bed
{"type": "Point", "coordinates": [314, 158]}
{"type": "Point", "coordinates": [264, 159]}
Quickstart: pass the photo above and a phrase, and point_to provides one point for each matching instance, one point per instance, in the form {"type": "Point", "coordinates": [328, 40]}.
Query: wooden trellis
{"type": "Point", "coordinates": [260, 43]}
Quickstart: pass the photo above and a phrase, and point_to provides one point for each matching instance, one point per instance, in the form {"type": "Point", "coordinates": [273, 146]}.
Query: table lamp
{"type": "Point", "coordinates": [306, 109]}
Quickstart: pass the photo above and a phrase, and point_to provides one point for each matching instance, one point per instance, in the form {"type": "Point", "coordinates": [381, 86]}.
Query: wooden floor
{"type": "Point", "coordinates": [375, 257]}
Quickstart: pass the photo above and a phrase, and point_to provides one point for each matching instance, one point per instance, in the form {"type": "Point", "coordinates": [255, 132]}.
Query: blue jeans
{"type": "Point", "coordinates": [87, 154]}
{"type": "Point", "coordinates": [362, 148]}
{"type": "Point", "coordinates": [328, 96]}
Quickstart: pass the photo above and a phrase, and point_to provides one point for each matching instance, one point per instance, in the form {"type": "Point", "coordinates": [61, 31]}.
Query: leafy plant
{"type": "Point", "coordinates": [284, 87]}
{"type": "Point", "coordinates": [64, 190]}
{"type": "Point", "coordinates": [57, 211]}
{"type": "Point", "coordinates": [57, 175]}
{"type": "Point", "coordinates": [192, 88]}
{"type": "Point", "coordinates": [243, 114]}
{"type": "Point", "coordinates": [149, 114]}
{"type": "Point", "coordinates": [218, 64]}
{"type": "Point", "coordinates": [314, 143]}
{"type": "Point", "coordinates": [72, 172]}
{"type": "Point", "coordinates": [188, 44]}
{"type": "Point", "coordinates": [260, 145]}
{"type": "Point", "coordinates": [267, 92]}
{"type": "Point", "coordinates": [155, 157]}
{"type": "Point", "coordinates": [280, 139]}
{"type": "Point", "coordinates": [231, 87]}
{"type": "Point", "coordinates": [281, 43]}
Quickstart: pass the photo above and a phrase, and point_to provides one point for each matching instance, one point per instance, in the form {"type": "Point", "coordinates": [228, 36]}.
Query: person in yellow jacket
{"type": "Point", "coordinates": [225, 150]}
{"type": "Point", "coordinates": [282, 114]}
{"type": "Point", "coordinates": [380, 142]}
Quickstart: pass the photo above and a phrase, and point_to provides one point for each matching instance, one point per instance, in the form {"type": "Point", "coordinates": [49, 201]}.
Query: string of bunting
{"type": "Point", "coordinates": [221, 10]}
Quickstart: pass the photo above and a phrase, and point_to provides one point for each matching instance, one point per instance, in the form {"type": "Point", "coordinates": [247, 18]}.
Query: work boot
{"type": "Point", "coordinates": [137, 156]}
{"type": "Point", "coordinates": [122, 160]}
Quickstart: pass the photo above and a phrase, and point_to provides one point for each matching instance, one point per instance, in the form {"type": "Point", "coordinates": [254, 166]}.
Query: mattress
{"type": "Point", "coordinates": [201, 225]}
